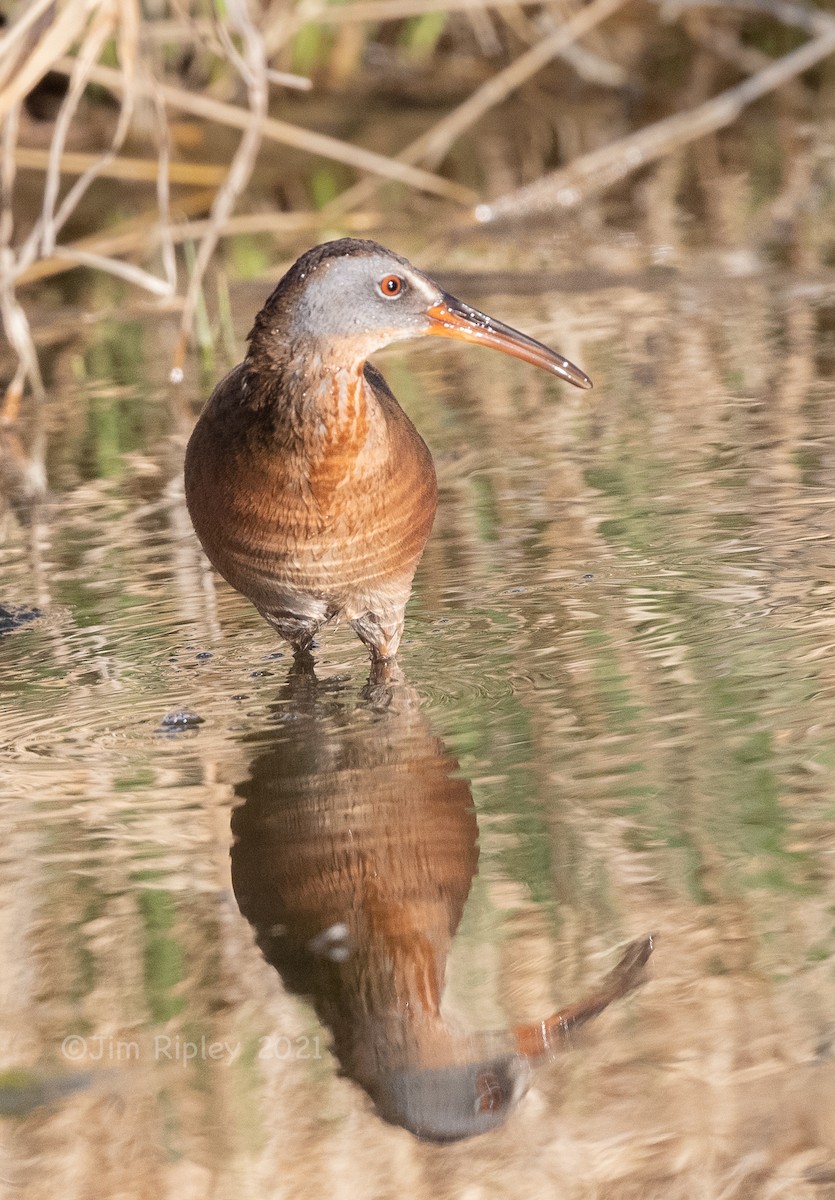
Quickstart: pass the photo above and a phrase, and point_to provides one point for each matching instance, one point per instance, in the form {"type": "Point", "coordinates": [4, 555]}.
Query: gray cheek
{"type": "Point", "coordinates": [327, 316]}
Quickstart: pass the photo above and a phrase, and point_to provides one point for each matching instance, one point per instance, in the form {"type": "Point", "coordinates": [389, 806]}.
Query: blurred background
{"type": "Point", "coordinates": [177, 147]}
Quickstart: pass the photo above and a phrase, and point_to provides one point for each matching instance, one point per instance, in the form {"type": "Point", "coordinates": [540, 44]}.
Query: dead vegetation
{"type": "Point", "coordinates": [130, 132]}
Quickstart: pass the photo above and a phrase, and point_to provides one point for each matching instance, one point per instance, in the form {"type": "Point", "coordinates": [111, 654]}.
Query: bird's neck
{"type": "Point", "coordinates": [304, 387]}
{"type": "Point", "coordinates": [321, 411]}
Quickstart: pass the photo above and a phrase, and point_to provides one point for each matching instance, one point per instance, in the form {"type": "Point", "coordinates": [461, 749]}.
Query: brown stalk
{"type": "Point", "coordinates": [434, 145]}
{"type": "Point", "coordinates": [196, 31]}
{"type": "Point", "coordinates": [141, 233]}
{"type": "Point", "coordinates": [589, 65]}
{"type": "Point", "coordinates": [110, 15]}
{"type": "Point", "coordinates": [105, 18]}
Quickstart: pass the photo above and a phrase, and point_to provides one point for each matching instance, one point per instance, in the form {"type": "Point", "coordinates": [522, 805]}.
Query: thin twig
{"type": "Point", "coordinates": [127, 237]}
{"type": "Point", "coordinates": [363, 11]}
{"type": "Point", "coordinates": [592, 173]}
{"type": "Point", "coordinates": [20, 38]}
{"type": "Point", "coordinates": [113, 266]}
{"type": "Point", "coordinates": [105, 19]}
{"type": "Point", "coordinates": [192, 30]}
{"type": "Point", "coordinates": [99, 30]}
{"type": "Point", "coordinates": [128, 34]}
{"type": "Point", "coordinates": [298, 83]}
{"type": "Point", "coordinates": [587, 64]}
{"type": "Point", "coordinates": [12, 315]}
{"type": "Point", "coordinates": [726, 45]}
{"type": "Point", "coordinates": [27, 21]}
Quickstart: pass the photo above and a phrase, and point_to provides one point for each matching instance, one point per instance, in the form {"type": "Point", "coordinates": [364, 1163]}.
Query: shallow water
{"type": "Point", "coordinates": [619, 647]}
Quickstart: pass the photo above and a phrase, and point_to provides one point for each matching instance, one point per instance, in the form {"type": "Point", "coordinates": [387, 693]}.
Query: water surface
{"type": "Point", "coordinates": [618, 663]}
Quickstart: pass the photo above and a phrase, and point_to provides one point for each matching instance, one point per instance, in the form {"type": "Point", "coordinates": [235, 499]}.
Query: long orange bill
{"type": "Point", "coordinates": [548, 1037]}
{"type": "Point", "coordinates": [450, 318]}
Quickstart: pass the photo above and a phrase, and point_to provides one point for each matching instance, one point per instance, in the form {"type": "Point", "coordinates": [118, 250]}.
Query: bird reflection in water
{"type": "Point", "coordinates": [354, 852]}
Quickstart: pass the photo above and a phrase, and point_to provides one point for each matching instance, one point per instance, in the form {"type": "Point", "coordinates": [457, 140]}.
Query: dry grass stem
{"type": "Point", "coordinates": [389, 10]}
{"type": "Point", "coordinates": [299, 83]}
{"type": "Point", "coordinates": [196, 31]}
{"type": "Point", "coordinates": [593, 68]}
{"type": "Point", "coordinates": [113, 266]}
{"type": "Point", "coordinates": [167, 252]}
{"type": "Point", "coordinates": [252, 66]}
{"type": "Point", "coordinates": [726, 45]}
{"type": "Point", "coordinates": [136, 170]}
{"type": "Point", "coordinates": [105, 20]}
{"type": "Point", "coordinates": [47, 229]}
{"type": "Point", "coordinates": [17, 34]}
{"type": "Point", "coordinates": [569, 186]}
{"type": "Point", "coordinates": [12, 314]}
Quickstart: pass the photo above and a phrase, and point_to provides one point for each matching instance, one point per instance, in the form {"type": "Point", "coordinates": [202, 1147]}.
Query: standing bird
{"type": "Point", "coordinates": [310, 489]}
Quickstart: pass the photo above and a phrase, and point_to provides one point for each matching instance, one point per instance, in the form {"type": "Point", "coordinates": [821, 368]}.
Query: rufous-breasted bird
{"type": "Point", "coordinates": [310, 489]}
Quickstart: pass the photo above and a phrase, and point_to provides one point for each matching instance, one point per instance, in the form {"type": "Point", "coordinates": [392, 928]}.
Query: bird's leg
{"type": "Point", "coordinates": [384, 672]}
{"type": "Point", "coordinates": [302, 683]}
{"type": "Point", "coordinates": [384, 680]}
{"type": "Point", "coordinates": [298, 631]}
{"type": "Point", "coordinates": [382, 637]}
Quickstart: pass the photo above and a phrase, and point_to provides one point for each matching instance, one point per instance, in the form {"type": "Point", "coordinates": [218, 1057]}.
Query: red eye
{"type": "Point", "coordinates": [392, 285]}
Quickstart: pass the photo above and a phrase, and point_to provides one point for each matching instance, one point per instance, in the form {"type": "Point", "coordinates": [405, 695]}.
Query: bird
{"type": "Point", "coordinates": [310, 489]}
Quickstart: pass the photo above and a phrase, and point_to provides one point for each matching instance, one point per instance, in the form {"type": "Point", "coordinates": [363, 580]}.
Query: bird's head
{"type": "Point", "coordinates": [345, 299]}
